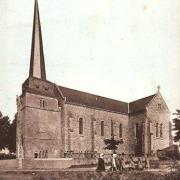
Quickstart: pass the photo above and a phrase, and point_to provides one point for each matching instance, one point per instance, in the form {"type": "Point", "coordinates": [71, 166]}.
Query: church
{"type": "Point", "coordinates": [53, 120]}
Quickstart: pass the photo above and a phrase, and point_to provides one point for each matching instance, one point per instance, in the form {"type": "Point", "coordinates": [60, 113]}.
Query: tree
{"type": "Point", "coordinates": [176, 127]}
{"type": "Point", "coordinates": [4, 130]}
{"type": "Point", "coordinates": [112, 144]}
{"type": "Point", "coordinates": [12, 135]}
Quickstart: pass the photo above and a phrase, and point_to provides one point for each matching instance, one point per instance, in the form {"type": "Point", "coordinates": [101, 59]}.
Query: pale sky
{"type": "Point", "coordinates": [113, 48]}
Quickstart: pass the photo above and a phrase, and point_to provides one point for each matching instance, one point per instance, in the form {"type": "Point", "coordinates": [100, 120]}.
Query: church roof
{"type": "Point", "coordinates": [81, 98]}
{"type": "Point", "coordinates": [95, 101]}
{"type": "Point", "coordinates": [99, 102]}
{"type": "Point", "coordinates": [140, 104]}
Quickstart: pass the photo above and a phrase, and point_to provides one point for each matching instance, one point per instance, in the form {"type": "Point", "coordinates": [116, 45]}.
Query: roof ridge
{"type": "Point", "coordinates": [94, 94]}
{"type": "Point", "coordinates": [143, 98]}
{"type": "Point", "coordinates": [140, 104]}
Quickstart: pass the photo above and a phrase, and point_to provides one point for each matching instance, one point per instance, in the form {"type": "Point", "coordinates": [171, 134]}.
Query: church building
{"type": "Point", "coordinates": [54, 120]}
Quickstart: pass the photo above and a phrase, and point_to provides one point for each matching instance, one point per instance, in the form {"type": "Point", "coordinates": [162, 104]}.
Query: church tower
{"type": "Point", "coordinates": [39, 113]}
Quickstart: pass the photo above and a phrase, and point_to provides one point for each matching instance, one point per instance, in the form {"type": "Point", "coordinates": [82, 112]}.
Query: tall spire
{"type": "Point", "coordinates": [37, 64]}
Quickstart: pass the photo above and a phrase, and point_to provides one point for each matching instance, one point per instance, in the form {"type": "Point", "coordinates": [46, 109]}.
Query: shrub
{"type": "Point", "coordinates": [4, 156]}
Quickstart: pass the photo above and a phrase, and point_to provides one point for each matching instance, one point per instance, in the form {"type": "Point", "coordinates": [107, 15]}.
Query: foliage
{"type": "Point", "coordinates": [176, 128]}
{"type": "Point", "coordinates": [173, 175]}
{"type": "Point", "coordinates": [7, 133]}
{"type": "Point", "coordinates": [7, 156]}
{"type": "Point", "coordinates": [12, 136]}
{"type": "Point", "coordinates": [4, 130]}
{"type": "Point", "coordinates": [112, 144]}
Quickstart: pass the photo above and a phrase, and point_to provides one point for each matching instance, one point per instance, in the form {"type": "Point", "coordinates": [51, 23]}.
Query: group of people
{"type": "Point", "coordinates": [121, 163]}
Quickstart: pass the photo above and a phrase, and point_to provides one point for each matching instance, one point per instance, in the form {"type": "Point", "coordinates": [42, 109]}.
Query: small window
{"type": "Point", "coordinates": [42, 103]}
{"type": "Point", "coordinates": [161, 130]}
{"type": "Point", "coordinates": [120, 131]}
{"type": "Point", "coordinates": [35, 155]}
{"type": "Point", "coordinates": [157, 130]}
{"type": "Point", "coordinates": [80, 126]}
{"type": "Point", "coordinates": [102, 128]}
{"type": "Point", "coordinates": [46, 88]}
{"type": "Point", "coordinates": [40, 154]}
{"type": "Point", "coordinates": [159, 106]}
{"type": "Point", "coordinates": [46, 154]}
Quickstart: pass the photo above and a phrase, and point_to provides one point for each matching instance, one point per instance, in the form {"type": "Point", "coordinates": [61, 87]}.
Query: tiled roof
{"type": "Point", "coordinates": [140, 104]}
{"type": "Point", "coordinates": [90, 100]}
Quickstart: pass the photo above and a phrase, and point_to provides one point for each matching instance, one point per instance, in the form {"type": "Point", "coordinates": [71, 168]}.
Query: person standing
{"type": "Point", "coordinates": [140, 165]}
{"type": "Point", "coordinates": [118, 162]}
{"type": "Point", "coordinates": [100, 164]}
{"type": "Point", "coordinates": [120, 159]}
{"type": "Point", "coordinates": [114, 162]}
{"type": "Point", "coordinates": [131, 163]}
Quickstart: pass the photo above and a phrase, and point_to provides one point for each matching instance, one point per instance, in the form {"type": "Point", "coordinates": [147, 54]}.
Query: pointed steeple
{"type": "Point", "coordinates": [37, 64]}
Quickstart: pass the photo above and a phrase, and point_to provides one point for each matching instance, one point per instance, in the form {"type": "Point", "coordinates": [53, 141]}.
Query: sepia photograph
{"type": "Point", "coordinates": [89, 90]}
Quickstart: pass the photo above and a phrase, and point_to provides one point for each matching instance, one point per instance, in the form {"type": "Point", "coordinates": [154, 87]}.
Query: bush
{"type": "Point", "coordinates": [4, 156]}
{"type": "Point", "coordinates": [173, 175]}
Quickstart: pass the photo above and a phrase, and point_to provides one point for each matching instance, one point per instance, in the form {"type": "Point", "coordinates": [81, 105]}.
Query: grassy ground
{"type": "Point", "coordinates": [85, 174]}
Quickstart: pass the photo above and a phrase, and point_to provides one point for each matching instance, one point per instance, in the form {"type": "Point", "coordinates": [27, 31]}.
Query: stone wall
{"type": "Point", "coordinates": [134, 119]}
{"type": "Point", "coordinates": [84, 161]}
{"type": "Point", "coordinates": [57, 163]}
{"type": "Point", "coordinates": [158, 113]}
{"type": "Point", "coordinates": [8, 164]}
{"type": "Point", "coordinates": [91, 139]}
{"type": "Point", "coordinates": [41, 127]}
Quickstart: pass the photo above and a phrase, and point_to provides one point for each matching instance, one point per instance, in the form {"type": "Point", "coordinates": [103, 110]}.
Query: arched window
{"type": "Point", "coordinates": [102, 128]}
{"type": "Point", "coordinates": [80, 125]}
{"type": "Point", "coordinates": [112, 128]}
{"type": "Point", "coordinates": [120, 131]}
{"type": "Point", "coordinates": [157, 130]}
{"type": "Point", "coordinates": [161, 130]}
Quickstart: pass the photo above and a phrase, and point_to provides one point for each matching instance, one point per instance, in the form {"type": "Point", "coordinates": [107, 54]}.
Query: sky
{"type": "Point", "coordinates": [118, 49]}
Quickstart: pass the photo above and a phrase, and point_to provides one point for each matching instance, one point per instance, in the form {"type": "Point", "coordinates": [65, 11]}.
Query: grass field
{"type": "Point", "coordinates": [75, 174]}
